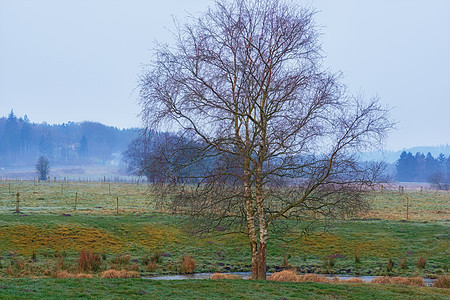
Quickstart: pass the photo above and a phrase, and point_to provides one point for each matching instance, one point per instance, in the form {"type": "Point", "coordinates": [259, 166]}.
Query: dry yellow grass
{"type": "Point", "coordinates": [65, 274]}
{"type": "Point", "coordinates": [442, 282]}
{"type": "Point", "coordinates": [285, 275]}
{"type": "Point", "coordinates": [216, 276]}
{"type": "Point", "coordinates": [353, 280]}
{"type": "Point", "coordinates": [27, 238]}
{"type": "Point", "coordinates": [120, 274]}
{"type": "Point", "coordinates": [314, 278]}
{"type": "Point", "coordinates": [413, 281]}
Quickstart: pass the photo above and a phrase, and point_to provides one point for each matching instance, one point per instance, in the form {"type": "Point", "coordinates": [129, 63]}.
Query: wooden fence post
{"type": "Point", "coordinates": [17, 204]}
{"type": "Point", "coordinates": [407, 208]}
{"type": "Point", "coordinates": [117, 205]}
{"type": "Point", "coordinates": [76, 196]}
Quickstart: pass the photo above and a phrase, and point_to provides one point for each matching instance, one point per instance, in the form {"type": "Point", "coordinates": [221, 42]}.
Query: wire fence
{"type": "Point", "coordinates": [68, 196]}
{"type": "Point", "coordinates": [71, 196]}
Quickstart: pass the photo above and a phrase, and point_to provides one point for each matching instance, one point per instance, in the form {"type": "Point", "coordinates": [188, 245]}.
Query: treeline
{"type": "Point", "coordinates": [421, 168]}
{"type": "Point", "coordinates": [22, 142]}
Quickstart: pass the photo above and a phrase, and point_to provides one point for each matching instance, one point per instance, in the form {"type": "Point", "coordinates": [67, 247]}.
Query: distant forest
{"type": "Point", "coordinates": [421, 168]}
{"type": "Point", "coordinates": [22, 142]}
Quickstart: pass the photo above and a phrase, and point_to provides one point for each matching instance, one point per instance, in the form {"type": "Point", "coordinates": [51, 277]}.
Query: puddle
{"type": "Point", "coordinates": [246, 275]}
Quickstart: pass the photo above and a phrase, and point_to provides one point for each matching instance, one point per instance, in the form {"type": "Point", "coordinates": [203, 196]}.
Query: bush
{"type": "Point", "coordinates": [89, 262]}
{"type": "Point", "coordinates": [187, 265]}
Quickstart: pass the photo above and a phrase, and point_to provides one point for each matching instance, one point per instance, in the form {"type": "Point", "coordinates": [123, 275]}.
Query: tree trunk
{"type": "Point", "coordinates": [262, 253]}
{"type": "Point", "coordinates": [251, 224]}
{"type": "Point", "coordinates": [262, 247]}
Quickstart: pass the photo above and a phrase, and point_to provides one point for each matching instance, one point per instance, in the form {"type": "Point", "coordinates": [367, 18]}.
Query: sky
{"type": "Point", "coordinates": [79, 60]}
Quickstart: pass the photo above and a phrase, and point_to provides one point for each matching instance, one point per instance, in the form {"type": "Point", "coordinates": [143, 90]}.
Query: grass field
{"type": "Point", "coordinates": [206, 289]}
{"type": "Point", "coordinates": [48, 235]}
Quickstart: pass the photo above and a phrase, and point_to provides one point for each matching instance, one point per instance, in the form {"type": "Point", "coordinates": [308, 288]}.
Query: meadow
{"type": "Point", "coordinates": [120, 223]}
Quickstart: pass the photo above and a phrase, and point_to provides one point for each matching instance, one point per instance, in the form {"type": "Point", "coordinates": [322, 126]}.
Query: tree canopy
{"type": "Point", "coordinates": [244, 83]}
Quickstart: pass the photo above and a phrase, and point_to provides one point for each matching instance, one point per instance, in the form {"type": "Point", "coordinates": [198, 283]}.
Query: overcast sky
{"type": "Point", "coordinates": [76, 60]}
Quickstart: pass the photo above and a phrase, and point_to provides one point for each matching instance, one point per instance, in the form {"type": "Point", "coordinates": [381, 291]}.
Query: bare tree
{"type": "Point", "coordinates": [42, 168]}
{"type": "Point", "coordinates": [245, 82]}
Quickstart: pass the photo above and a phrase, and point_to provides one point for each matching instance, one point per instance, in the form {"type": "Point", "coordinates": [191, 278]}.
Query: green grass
{"type": "Point", "coordinates": [49, 234]}
{"type": "Point", "coordinates": [375, 242]}
{"type": "Point", "coordinates": [205, 289]}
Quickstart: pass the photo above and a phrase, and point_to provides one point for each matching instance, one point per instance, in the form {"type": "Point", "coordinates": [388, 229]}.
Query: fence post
{"type": "Point", "coordinates": [407, 208]}
{"type": "Point", "coordinates": [117, 205]}
{"type": "Point", "coordinates": [17, 204]}
{"type": "Point", "coordinates": [9, 188]}
{"type": "Point", "coordinates": [76, 196]}
{"type": "Point", "coordinates": [109, 189]}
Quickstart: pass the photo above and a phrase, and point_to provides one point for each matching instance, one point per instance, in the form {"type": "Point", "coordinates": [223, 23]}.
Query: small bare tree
{"type": "Point", "coordinates": [42, 168]}
{"type": "Point", "coordinates": [245, 82]}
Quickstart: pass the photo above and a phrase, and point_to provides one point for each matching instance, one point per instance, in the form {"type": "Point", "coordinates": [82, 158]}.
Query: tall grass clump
{"type": "Point", "coordinates": [89, 262]}
{"type": "Point", "coordinates": [217, 276]}
{"type": "Point", "coordinates": [403, 263]}
{"type": "Point", "coordinates": [442, 282]}
{"type": "Point", "coordinates": [120, 274]}
{"type": "Point", "coordinates": [188, 265]}
{"type": "Point", "coordinates": [315, 278]}
{"type": "Point", "coordinates": [389, 265]}
{"type": "Point", "coordinates": [285, 275]}
{"type": "Point", "coordinates": [413, 281]}
{"type": "Point", "coordinates": [421, 262]}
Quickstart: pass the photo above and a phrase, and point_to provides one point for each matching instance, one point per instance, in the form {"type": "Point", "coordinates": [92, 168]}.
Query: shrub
{"type": "Point", "coordinates": [187, 265]}
{"type": "Point", "coordinates": [217, 276]}
{"type": "Point", "coordinates": [285, 275]}
{"type": "Point", "coordinates": [421, 261]}
{"type": "Point", "coordinates": [120, 274]}
{"type": "Point", "coordinates": [89, 262]}
{"type": "Point", "coordinates": [442, 282]}
{"type": "Point", "coordinates": [357, 259]}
